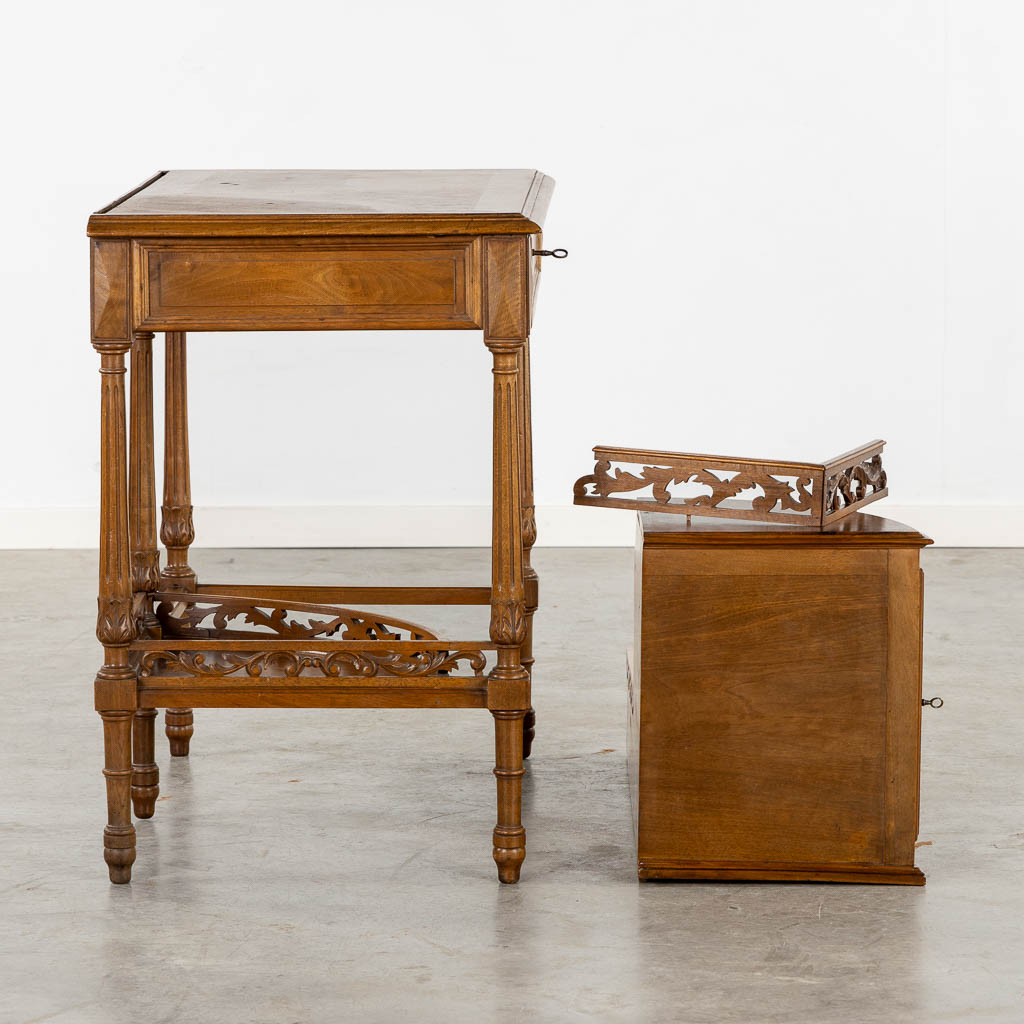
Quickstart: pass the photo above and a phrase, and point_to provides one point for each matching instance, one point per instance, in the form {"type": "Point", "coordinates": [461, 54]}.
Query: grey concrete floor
{"type": "Point", "coordinates": [308, 866]}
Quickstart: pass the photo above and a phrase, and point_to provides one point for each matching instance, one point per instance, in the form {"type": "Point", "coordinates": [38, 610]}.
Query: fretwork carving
{"type": "Point", "coordinates": [800, 493]}
{"type": "Point", "coordinates": [219, 664]}
{"type": "Point", "coordinates": [853, 483]}
{"type": "Point", "coordinates": [778, 496]}
{"type": "Point", "coordinates": [181, 615]}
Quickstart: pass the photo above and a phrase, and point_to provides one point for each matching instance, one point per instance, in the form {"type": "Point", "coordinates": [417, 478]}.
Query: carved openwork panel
{"type": "Point", "coordinates": [325, 640]}
{"type": "Point", "coordinates": [803, 493]}
{"type": "Point", "coordinates": [853, 483]}
{"type": "Point", "coordinates": [214, 616]}
{"type": "Point", "coordinates": [326, 662]}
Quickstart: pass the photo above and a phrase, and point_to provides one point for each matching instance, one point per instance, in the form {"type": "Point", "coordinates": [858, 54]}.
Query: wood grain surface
{"type": "Point", "coordinates": [192, 251]}
{"type": "Point", "coordinates": [239, 203]}
{"type": "Point", "coordinates": [776, 733]}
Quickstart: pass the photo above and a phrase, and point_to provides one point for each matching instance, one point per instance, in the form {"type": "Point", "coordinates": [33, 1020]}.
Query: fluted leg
{"type": "Point", "coordinates": [530, 580]}
{"type": "Point", "coordinates": [145, 557]}
{"type": "Point", "coordinates": [509, 834]}
{"type": "Point", "coordinates": [115, 684]}
{"type": "Point", "coordinates": [142, 487]}
{"type": "Point", "coordinates": [176, 529]}
{"type": "Point", "coordinates": [145, 774]}
{"type": "Point", "coordinates": [506, 287]}
{"type": "Point", "coordinates": [179, 728]}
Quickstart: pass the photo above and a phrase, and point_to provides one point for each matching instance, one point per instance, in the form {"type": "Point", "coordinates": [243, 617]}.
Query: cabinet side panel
{"type": "Point", "coordinates": [903, 734]}
{"type": "Point", "coordinates": [633, 686]}
{"type": "Point", "coordinates": [764, 703]}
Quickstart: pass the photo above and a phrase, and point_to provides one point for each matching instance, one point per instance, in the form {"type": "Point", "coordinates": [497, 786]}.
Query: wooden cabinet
{"type": "Point", "coordinates": [775, 700]}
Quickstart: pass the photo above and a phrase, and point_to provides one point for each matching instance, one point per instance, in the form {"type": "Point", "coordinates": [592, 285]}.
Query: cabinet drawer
{"type": "Point", "coordinates": [316, 285]}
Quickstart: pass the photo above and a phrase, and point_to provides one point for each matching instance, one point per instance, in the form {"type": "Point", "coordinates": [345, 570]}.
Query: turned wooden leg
{"type": "Point", "coordinates": [142, 487]}
{"type": "Point", "coordinates": [116, 684]}
{"type": "Point", "coordinates": [179, 729]}
{"type": "Point", "coordinates": [176, 529]}
{"type": "Point", "coordinates": [119, 835]}
{"type": "Point", "coordinates": [506, 304]}
{"type": "Point", "coordinates": [530, 580]}
{"type": "Point", "coordinates": [145, 773]}
{"type": "Point", "coordinates": [509, 834]}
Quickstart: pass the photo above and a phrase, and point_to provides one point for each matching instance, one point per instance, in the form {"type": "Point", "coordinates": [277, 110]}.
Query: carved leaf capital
{"type": "Point", "coordinates": [508, 622]}
{"type": "Point", "coordinates": [176, 529]}
{"type": "Point", "coordinates": [114, 621]}
{"type": "Point", "coordinates": [145, 570]}
{"type": "Point", "coordinates": [529, 527]}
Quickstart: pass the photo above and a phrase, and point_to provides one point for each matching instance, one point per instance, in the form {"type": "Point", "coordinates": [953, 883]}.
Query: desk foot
{"type": "Point", "coordinates": [509, 858]}
{"type": "Point", "coordinates": [145, 773]}
{"type": "Point", "coordinates": [179, 729]}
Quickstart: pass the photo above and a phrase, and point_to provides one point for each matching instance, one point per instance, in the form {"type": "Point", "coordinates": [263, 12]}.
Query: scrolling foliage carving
{"type": "Point", "coordinates": [220, 664]}
{"type": "Point", "coordinates": [778, 496]}
{"type": "Point", "coordinates": [853, 483]}
{"type": "Point", "coordinates": [182, 615]}
{"type": "Point", "coordinates": [771, 490]}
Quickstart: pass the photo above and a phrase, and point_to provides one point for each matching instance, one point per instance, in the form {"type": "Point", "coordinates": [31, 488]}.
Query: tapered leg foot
{"type": "Point", "coordinates": [119, 834]}
{"type": "Point", "coordinates": [529, 730]}
{"type": "Point", "coordinates": [179, 728]}
{"type": "Point", "coordinates": [509, 853]}
{"type": "Point", "coordinates": [145, 773]}
{"type": "Point", "coordinates": [119, 852]}
{"type": "Point", "coordinates": [509, 834]}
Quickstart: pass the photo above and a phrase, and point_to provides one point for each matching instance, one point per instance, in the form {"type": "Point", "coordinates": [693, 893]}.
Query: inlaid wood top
{"type": "Point", "coordinates": [324, 202]}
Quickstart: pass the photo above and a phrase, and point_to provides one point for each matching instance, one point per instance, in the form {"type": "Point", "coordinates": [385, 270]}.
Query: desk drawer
{"type": "Point", "coordinates": [309, 285]}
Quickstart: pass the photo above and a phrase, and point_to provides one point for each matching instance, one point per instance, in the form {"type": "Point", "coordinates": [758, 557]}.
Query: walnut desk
{"type": "Point", "coordinates": [303, 250]}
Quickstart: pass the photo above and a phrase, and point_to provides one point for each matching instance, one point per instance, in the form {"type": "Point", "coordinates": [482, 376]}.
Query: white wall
{"type": "Point", "coordinates": [794, 226]}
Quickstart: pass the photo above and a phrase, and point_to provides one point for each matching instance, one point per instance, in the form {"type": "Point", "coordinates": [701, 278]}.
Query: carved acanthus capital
{"type": "Point", "coordinates": [529, 527]}
{"type": "Point", "coordinates": [176, 529]}
{"type": "Point", "coordinates": [145, 570]}
{"type": "Point", "coordinates": [508, 622]}
{"type": "Point", "coordinates": [115, 624]}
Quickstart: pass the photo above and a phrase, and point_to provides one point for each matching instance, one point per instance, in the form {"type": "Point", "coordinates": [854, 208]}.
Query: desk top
{"type": "Point", "coordinates": [322, 202]}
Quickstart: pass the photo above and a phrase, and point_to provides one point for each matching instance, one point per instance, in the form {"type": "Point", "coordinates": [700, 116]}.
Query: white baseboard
{"type": "Point", "coordinates": [343, 526]}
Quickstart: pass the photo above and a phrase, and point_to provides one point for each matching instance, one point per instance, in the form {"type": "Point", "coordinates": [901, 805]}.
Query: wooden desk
{"type": "Point", "coordinates": [237, 250]}
{"type": "Point", "coordinates": [775, 700]}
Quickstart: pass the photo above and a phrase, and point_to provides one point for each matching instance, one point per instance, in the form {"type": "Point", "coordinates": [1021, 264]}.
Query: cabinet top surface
{"type": "Point", "coordinates": [203, 202]}
{"type": "Point", "coordinates": [664, 529]}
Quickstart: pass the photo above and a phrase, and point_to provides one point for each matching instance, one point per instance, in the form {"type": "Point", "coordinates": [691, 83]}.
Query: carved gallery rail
{"type": "Point", "coordinates": [799, 493]}
{"type": "Point", "coordinates": [303, 250]}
